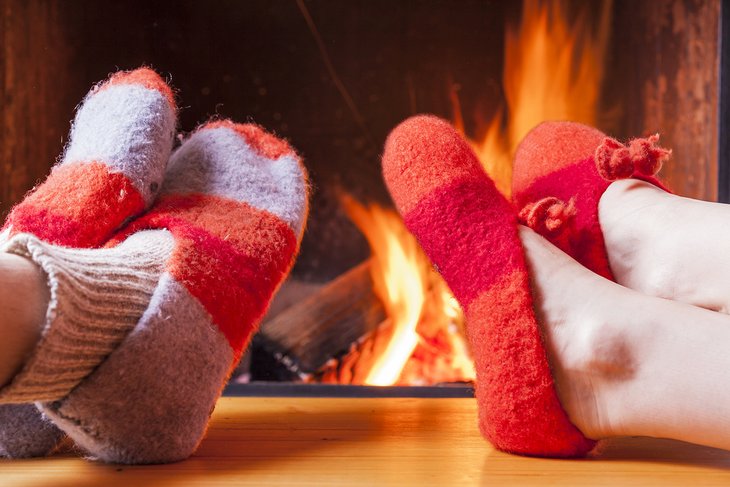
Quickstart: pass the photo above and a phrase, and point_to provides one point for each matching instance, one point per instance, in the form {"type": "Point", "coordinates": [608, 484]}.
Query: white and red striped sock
{"type": "Point", "coordinates": [227, 226]}
{"type": "Point", "coordinates": [112, 169]}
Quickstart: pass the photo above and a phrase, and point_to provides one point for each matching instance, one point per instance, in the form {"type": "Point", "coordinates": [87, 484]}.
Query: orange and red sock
{"type": "Point", "coordinates": [469, 231]}
{"type": "Point", "coordinates": [111, 170]}
{"type": "Point", "coordinates": [229, 218]}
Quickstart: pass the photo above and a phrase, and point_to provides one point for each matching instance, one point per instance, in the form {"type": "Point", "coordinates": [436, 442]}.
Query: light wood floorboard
{"type": "Point", "coordinates": [373, 442]}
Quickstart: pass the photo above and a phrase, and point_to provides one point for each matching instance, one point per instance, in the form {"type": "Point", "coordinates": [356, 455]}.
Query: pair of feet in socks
{"type": "Point", "coordinates": [159, 272]}
{"type": "Point", "coordinates": [565, 356]}
{"type": "Point", "coordinates": [159, 266]}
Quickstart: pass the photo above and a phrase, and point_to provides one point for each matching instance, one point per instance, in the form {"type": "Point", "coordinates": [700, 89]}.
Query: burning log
{"type": "Point", "coordinates": [305, 336]}
{"type": "Point", "coordinates": [396, 325]}
{"type": "Point", "coordinates": [436, 359]}
{"type": "Point", "coordinates": [354, 366]}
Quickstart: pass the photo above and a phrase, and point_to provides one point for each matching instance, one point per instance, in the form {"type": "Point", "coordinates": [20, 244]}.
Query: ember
{"type": "Point", "coordinates": [422, 341]}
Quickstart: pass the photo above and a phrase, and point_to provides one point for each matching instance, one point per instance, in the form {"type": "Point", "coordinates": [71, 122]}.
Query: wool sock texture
{"type": "Point", "coordinates": [234, 202]}
{"type": "Point", "coordinates": [469, 231]}
{"type": "Point", "coordinates": [557, 160]}
{"type": "Point", "coordinates": [97, 296]}
{"type": "Point", "coordinates": [25, 432]}
{"type": "Point", "coordinates": [112, 168]}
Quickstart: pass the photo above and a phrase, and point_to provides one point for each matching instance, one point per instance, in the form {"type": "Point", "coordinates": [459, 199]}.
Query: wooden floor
{"type": "Point", "coordinates": [373, 442]}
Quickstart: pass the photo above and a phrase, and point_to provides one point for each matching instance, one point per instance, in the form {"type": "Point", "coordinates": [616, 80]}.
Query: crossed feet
{"type": "Point", "coordinates": [642, 356]}
{"type": "Point", "coordinates": [564, 355]}
{"type": "Point", "coordinates": [139, 275]}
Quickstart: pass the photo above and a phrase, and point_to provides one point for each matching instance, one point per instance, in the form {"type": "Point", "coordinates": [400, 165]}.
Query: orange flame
{"type": "Point", "coordinates": [553, 70]}
{"type": "Point", "coordinates": [403, 278]}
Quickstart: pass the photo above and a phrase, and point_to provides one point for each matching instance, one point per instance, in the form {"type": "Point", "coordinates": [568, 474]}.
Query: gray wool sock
{"type": "Point", "coordinates": [97, 297]}
{"type": "Point", "coordinates": [25, 432]}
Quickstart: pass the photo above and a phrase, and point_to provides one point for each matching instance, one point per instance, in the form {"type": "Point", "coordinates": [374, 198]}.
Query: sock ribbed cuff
{"type": "Point", "coordinates": [96, 297]}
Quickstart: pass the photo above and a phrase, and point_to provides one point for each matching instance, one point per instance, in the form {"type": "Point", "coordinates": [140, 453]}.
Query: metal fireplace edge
{"type": "Point", "coordinates": [283, 389]}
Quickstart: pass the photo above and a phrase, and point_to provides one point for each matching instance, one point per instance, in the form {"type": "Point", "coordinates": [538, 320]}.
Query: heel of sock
{"type": "Point", "coordinates": [150, 401]}
{"type": "Point", "coordinates": [26, 433]}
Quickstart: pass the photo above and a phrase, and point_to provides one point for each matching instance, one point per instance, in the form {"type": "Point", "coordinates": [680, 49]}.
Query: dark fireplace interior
{"type": "Point", "coordinates": [334, 78]}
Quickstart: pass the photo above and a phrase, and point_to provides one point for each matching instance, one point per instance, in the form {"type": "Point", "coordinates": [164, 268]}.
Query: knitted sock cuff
{"type": "Point", "coordinates": [97, 297]}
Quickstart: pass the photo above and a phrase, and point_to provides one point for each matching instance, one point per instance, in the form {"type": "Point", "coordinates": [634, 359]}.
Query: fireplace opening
{"type": "Point", "coordinates": [334, 78]}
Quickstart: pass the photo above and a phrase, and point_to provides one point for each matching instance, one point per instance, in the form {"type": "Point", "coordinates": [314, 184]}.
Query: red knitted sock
{"type": "Point", "coordinates": [469, 231]}
{"type": "Point", "coordinates": [562, 169]}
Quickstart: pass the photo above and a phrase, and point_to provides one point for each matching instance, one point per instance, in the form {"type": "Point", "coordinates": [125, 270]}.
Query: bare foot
{"type": "Point", "coordinates": [24, 299]}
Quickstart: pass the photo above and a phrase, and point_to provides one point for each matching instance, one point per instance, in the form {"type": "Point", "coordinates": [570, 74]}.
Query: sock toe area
{"type": "Point", "coordinates": [237, 216]}
{"type": "Point", "coordinates": [129, 124]}
{"type": "Point", "coordinates": [469, 231]}
{"type": "Point", "coordinates": [145, 77]}
{"type": "Point", "coordinates": [242, 163]}
{"type": "Point", "coordinates": [422, 154]}
{"type": "Point", "coordinates": [113, 166]}
{"type": "Point", "coordinates": [551, 147]}
{"type": "Point", "coordinates": [448, 203]}
{"type": "Point", "coordinates": [265, 144]}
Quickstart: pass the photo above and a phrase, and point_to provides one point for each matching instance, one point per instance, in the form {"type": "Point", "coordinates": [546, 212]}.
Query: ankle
{"type": "Point", "coordinates": [24, 298]}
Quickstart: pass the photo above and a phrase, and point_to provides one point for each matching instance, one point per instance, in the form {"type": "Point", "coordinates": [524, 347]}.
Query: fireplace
{"type": "Point", "coordinates": [334, 78]}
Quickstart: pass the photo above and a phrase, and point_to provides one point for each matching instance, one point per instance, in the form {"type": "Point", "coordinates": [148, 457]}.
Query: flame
{"type": "Point", "coordinates": [403, 279]}
{"type": "Point", "coordinates": [553, 70]}
{"type": "Point", "coordinates": [398, 279]}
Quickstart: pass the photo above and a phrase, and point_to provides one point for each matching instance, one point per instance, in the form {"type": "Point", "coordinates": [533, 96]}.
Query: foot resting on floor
{"type": "Point", "coordinates": [111, 170]}
{"type": "Point", "coordinates": [194, 276]}
{"type": "Point", "coordinates": [563, 355]}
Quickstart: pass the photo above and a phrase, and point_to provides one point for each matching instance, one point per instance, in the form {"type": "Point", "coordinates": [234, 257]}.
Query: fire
{"type": "Point", "coordinates": [553, 70]}
{"type": "Point", "coordinates": [424, 318]}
